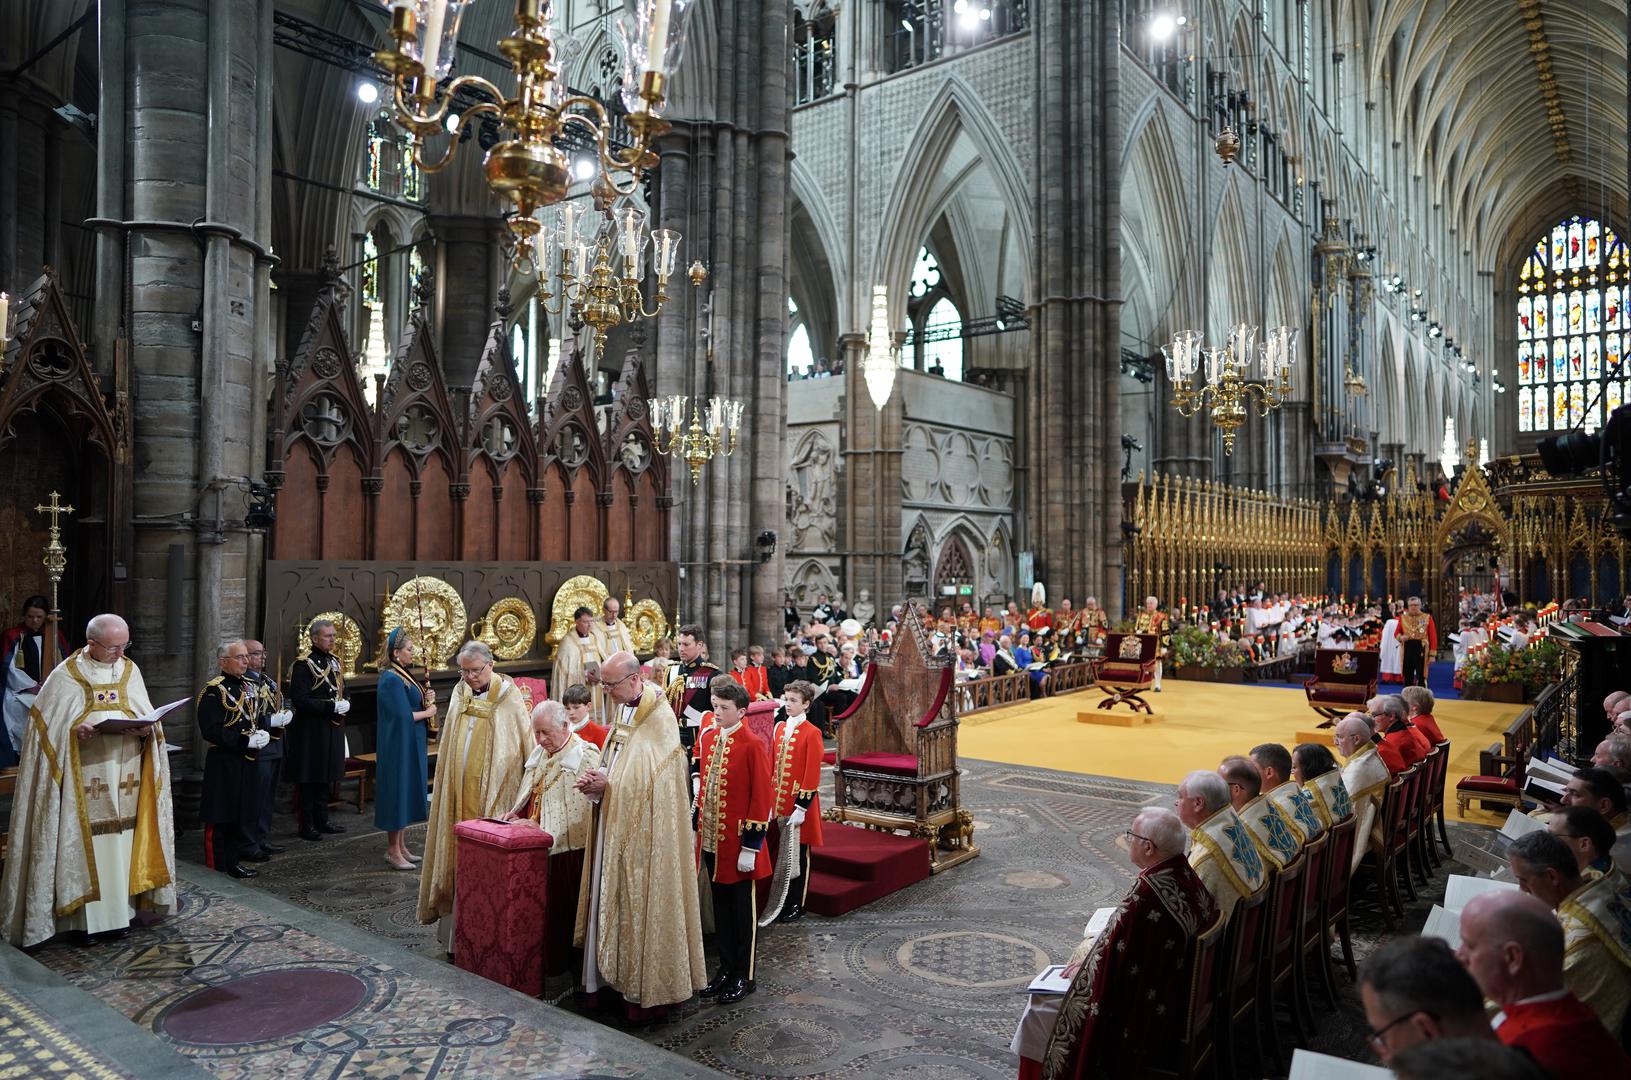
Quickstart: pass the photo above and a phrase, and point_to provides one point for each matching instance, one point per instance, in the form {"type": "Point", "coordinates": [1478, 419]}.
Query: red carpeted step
{"type": "Point", "coordinates": [856, 866]}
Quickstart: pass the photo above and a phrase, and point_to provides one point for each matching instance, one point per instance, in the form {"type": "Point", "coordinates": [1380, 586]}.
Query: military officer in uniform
{"type": "Point", "coordinates": [272, 718]}
{"type": "Point", "coordinates": [316, 747]}
{"type": "Point", "coordinates": [733, 798]}
{"type": "Point", "coordinates": [226, 719]}
{"type": "Point", "coordinates": [688, 691]}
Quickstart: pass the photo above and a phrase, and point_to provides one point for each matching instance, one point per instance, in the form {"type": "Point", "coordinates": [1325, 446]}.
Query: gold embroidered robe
{"type": "Point", "coordinates": [92, 830]}
{"type": "Point", "coordinates": [1596, 922]}
{"type": "Point", "coordinates": [1225, 857]}
{"type": "Point", "coordinates": [484, 742]}
{"type": "Point", "coordinates": [1366, 777]}
{"type": "Point", "coordinates": [571, 657]}
{"type": "Point", "coordinates": [559, 808]}
{"type": "Point", "coordinates": [639, 920]}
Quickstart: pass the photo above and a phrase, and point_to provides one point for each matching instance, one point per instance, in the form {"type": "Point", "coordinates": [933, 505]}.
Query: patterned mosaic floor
{"type": "Point", "coordinates": [254, 988]}
{"type": "Point", "coordinates": [923, 984]}
{"type": "Point", "coordinates": [32, 1045]}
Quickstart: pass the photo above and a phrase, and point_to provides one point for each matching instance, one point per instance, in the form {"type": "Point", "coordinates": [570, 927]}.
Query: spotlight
{"type": "Point", "coordinates": [261, 512]}
{"type": "Point", "coordinates": [367, 92]}
{"type": "Point", "coordinates": [1163, 24]}
{"type": "Point", "coordinates": [583, 169]}
{"type": "Point", "coordinates": [765, 542]}
{"type": "Point", "coordinates": [453, 119]}
{"type": "Point", "coordinates": [908, 27]}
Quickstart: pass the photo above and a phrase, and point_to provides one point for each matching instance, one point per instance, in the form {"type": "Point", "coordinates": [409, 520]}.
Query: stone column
{"type": "Point", "coordinates": [189, 258]}
{"type": "Point", "coordinates": [27, 133]}
{"type": "Point", "coordinates": [465, 291]}
{"type": "Point", "coordinates": [872, 542]}
{"type": "Point", "coordinates": [723, 186]}
{"type": "Point", "coordinates": [1072, 492]}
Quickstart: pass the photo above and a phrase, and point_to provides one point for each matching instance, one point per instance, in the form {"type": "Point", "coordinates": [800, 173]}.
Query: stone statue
{"type": "Point", "coordinates": [864, 610]}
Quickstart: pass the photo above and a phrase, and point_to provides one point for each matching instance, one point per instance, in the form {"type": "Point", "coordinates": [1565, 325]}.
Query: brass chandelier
{"type": "Point", "coordinates": [1227, 392]}
{"type": "Point", "coordinates": [590, 267]}
{"type": "Point", "coordinates": [526, 168]}
{"type": "Point", "coordinates": [709, 432]}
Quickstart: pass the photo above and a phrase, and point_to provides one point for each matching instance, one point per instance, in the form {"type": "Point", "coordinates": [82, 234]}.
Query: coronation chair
{"type": "Point", "coordinates": [896, 768]}
{"type": "Point", "coordinates": [1127, 670]}
{"type": "Point", "coordinates": [1344, 679]}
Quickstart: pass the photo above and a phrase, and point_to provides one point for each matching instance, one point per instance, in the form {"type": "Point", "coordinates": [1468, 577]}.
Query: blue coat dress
{"type": "Point", "coordinates": [401, 771]}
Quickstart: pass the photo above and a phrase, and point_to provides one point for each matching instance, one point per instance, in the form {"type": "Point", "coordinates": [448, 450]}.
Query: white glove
{"type": "Point", "coordinates": [259, 739]}
{"type": "Point", "coordinates": [796, 818]}
{"type": "Point", "coordinates": [696, 786]}
{"type": "Point", "coordinates": [746, 860]}
{"type": "Point", "coordinates": [281, 718]}
{"type": "Point", "coordinates": [342, 707]}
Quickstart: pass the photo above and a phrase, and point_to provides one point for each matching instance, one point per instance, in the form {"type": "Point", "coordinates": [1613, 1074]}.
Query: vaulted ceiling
{"type": "Point", "coordinates": [1514, 110]}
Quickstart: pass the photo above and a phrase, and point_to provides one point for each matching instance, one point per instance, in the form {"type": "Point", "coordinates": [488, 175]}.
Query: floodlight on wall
{"type": "Point", "coordinates": [882, 359]}
{"type": "Point", "coordinates": [367, 92]}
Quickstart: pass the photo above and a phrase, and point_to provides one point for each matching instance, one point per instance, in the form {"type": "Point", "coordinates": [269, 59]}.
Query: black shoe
{"type": "Point", "coordinates": [736, 991]}
{"type": "Point", "coordinates": [103, 936]}
{"type": "Point", "coordinates": [310, 834]}
{"type": "Point", "coordinates": [273, 849]}
{"type": "Point", "coordinates": [791, 912]}
{"type": "Point", "coordinates": [330, 827]}
{"type": "Point", "coordinates": [257, 856]}
{"type": "Point", "coordinates": [242, 872]}
{"type": "Point", "coordinates": [720, 981]}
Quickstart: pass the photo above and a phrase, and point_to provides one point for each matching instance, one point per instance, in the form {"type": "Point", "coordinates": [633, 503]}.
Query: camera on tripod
{"type": "Point", "coordinates": [1608, 451]}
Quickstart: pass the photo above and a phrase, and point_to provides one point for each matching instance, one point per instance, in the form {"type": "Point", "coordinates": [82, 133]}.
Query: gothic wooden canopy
{"type": "Point", "coordinates": [432, 472]}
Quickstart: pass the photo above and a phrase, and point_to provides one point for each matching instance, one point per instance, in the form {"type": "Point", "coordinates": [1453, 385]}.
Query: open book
{"type": "Point", "coordinates": [122, 723]}
{"type": "Point", "coordinates": [1050, 980]}
{"type": "Point", "coordinates": [1460, 889]}
{"type": "Point", "coordinates": [1307, 1065]}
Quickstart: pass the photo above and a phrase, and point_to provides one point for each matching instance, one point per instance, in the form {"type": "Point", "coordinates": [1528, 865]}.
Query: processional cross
{"type": "Point", "coordinates": [56, 562]}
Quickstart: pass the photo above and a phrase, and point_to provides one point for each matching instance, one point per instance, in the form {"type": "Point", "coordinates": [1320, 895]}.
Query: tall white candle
{"type": "Point", "coordinates": [431, 41]}
{"type": "Point", "coordinates": [657, 40]}
{"type": "Point", "coordinates": [5, 312]}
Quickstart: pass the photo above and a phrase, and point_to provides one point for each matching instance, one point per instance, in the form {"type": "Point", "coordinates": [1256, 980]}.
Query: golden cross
{"type": "Point", "coordinates": [96, 787]}
{"type": "Point", "coordinates": [130, 785]}
{"type": "Point", "coordinates": [54, 508]}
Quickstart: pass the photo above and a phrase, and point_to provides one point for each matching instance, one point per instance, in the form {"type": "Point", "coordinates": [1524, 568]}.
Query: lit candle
{"type": "Point", "coordinates": [430, 42]}
{"type": "Point", "coordinates": [657, 39]}
{"type": "Point", "coordinates": [5, 312]}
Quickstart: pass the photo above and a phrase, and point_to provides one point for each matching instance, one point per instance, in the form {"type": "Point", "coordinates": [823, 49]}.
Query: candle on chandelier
{"type": "Point", "coordinates": [430, 42]}
{"type": "Point", "coordinates": [5, 312]}
{"type": "Point", "coordinates": [657, 38]}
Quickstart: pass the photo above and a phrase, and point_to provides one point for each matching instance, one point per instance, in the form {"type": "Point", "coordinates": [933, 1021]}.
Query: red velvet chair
{"type": "Point", "coordinates": [1344, 679]}
{"type": "Point", "coordinates": [1127, 670]}
{"type": "Point", "coordinates": [896, 764]}
{"type": "Point", "coordinates": [1334, 896]}
{"type": "Point", "coordinates": [1287, 905]}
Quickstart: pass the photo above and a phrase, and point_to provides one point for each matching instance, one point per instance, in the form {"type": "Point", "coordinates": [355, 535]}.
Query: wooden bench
{"type": "Point", "coordinates": [1069, 678]}
{"type": "Point", "coordinates": [993, 692]}
{"type": "Point", "coordinates": [1500, 768]}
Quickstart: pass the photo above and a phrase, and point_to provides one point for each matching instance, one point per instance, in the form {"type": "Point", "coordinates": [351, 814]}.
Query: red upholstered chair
{"type": "Point", "coordinates": [1127, 670]}
{"type": "Point", "coordinates": [535, 689]}
{"type": "Point", "coordinates": [1194, 1046]}
{"type": "Point", "coordinates": [1378, 864]}
{"type": "Point", "coordinates": [1439, 782]}
{"type": "Point", "coordinates": [896, 763]}
{"type": "Point", "coordinates": [761, 720]}
{"type": "Point", "coordinates": [1315, 883]}
{"type": "Point", "coordinates": [1339, 855]}
{"type": "Point", "coordinates": [1245, 950]}
{"type": "Point", "coordinates": [1344, 679]}
{"type": "Point", "coordinates": [1288, 903]}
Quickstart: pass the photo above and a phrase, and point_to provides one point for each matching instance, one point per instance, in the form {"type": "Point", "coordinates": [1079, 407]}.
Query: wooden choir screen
{"type": "Point", "coordinates": [432, 473]}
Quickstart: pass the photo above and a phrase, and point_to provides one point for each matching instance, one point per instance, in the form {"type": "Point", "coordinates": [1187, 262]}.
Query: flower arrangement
{"type": "Point", "coordinates": [1533, 667]}
{"type": "Point", "coordinates": [1197, 647]}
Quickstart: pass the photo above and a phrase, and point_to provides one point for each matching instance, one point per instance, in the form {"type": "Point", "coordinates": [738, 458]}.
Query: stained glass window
{"type": "Point", "coordinates": [370, 270]}
{"type": "Point", "coordinates": [1572, 294]}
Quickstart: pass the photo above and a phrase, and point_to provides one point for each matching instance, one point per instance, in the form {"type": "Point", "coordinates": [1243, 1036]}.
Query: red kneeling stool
{"type": "Point", "coordinates": [514, 904]}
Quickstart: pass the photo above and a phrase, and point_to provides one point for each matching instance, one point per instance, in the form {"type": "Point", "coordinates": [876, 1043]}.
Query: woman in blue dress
{"type": "Point", "coordinates": [402, 709]}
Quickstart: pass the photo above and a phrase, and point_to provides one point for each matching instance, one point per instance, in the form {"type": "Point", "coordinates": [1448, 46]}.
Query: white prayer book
{"type": "Point", "coordinates": [1307, 1065]}
{"type": "Point", "coordinates": [852, 685]}
{"type": "Point", "coordinates": [1050, 980]}
{"type": "Point", "coordinates": [1100, 919]}
{"type": "Point", "coordinates": [1519, 824]}
{"type": "Point", "coordinates": [1549, 769]}
{"type": "Point", "coordinates": [121, 723]}
{"type": "Point", "coordinates": [1443, 924]}
{"type": "Point", "coordinates": [1460, 889]}
{"type": "Point", "coordinates": [1541, 789]}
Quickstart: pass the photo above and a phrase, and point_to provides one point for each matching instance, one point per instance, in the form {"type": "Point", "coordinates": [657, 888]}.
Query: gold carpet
{"type": "Point", "coordinates": [1196, 725]}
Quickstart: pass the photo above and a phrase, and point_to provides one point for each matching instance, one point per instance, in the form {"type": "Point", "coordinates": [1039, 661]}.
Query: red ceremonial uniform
{"type": "Point", "coordinates": [1392, 757]}
{"type": "Point", "coordinates": [755, 680]}
{"type": "Point", "coordinates": [798, 775]}
{"type": "Point", "coordinates": [592, 732]}
{"type": "Point", "coordinates": [1564, 1037]}
{"type": "Point", "coordinates": [1429, 727]}
{"type": "Point", "coordinates": [1411, 744]}
{"type": "Point", "coordinates": [734, 801]}
{"type": "Point", "coordinates": [1038, 618]}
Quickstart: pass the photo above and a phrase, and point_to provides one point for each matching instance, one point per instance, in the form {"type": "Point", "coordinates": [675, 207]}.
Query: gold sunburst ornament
{"type": "Point", "coordinates": [430, 610]}
{"type": "Point", "coordinates": [347, 639]}
{"type": "Point", "coordinates": [647, 623]}
{"type": "Point", "coordinates": [580, 591]}
{"type": "Point", "coordinates": [509, 628]}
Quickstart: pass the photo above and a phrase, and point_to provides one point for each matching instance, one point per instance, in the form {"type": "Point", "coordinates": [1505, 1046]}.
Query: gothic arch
{"type": "Point", "coordinates": [1155, 227]}
{"type": "Point", "coordinates": [956, 111]}
{"type": "Point", "coordinates": [1230, 292]}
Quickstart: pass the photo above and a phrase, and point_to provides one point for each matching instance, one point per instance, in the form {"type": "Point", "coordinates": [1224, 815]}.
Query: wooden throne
{"type": "Point", "coordinates": [896, 767]}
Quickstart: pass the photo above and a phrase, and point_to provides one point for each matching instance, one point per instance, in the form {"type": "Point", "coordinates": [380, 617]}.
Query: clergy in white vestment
{"type": "Point", "coordinates": [1390, 651]}
{"type": "Point", "coordinates": [1366, 777]}
{"type": "Point", "coordinates": [611, 633]}
{"type": "Point", "coordinates": [579, 654]}
{"type": "Point", "coordinates": [92, 832]}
